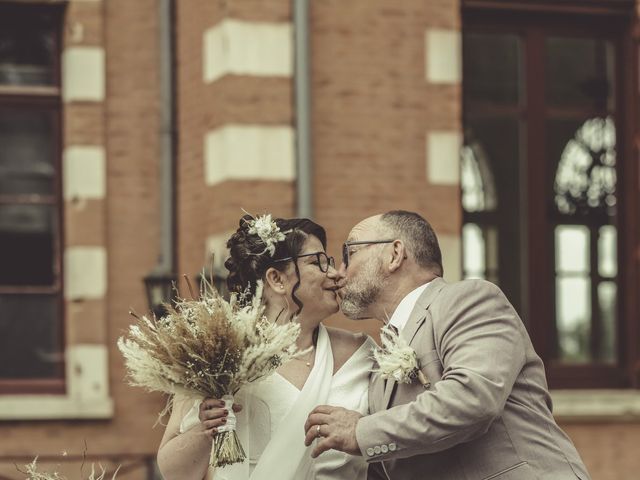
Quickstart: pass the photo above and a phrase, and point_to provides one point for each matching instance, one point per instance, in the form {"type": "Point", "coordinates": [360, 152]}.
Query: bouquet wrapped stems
{"type": "Point", "coordinates": [226, 448]}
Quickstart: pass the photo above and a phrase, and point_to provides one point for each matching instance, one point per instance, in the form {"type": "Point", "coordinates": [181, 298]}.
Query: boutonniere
{"type": "Point", "coordinates": [397, 360]}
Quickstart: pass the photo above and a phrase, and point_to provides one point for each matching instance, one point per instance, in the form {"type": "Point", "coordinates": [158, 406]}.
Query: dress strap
{"type": "Point", "coordinates": [286, 456]}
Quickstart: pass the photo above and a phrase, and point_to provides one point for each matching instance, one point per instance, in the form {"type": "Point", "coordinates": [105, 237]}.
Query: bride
{"type": "Point", "coordinates": [299, 279]}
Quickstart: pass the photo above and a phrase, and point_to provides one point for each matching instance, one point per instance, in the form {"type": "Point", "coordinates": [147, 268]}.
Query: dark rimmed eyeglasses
{"type": "Point", "coordinates": [347, 245]}
{"type": "Point", "coordinates": [324, 261]}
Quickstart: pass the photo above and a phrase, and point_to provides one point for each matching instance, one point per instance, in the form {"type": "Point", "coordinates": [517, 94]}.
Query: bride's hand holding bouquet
{"type": "Point", "coordinates": [213, 414]}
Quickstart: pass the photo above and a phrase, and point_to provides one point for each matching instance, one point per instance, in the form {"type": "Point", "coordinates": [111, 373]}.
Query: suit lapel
{"type": "Point", "coordinates": [418, 314]}
{"type": "Point", "coordinates": [376, 392]}
{"type": "Point", "coordinates": [416, 319]}
{"type": "Point", "coordinates": [388, 389]}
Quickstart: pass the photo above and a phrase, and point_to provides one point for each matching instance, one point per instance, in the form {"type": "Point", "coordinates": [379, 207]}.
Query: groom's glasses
{"type": "Point", "coordinates": [323, 260]}
{"type": "Point", "coordinates": [346, 248]}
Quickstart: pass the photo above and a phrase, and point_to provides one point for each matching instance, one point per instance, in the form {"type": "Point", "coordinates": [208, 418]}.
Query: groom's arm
{"type": "Point", "coordinates": [482, 346]}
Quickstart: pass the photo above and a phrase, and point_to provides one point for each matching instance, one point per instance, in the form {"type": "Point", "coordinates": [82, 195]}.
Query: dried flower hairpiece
{"type": "Point", "coordinates": [267, 230]}
{"type": "Point", "coordinates": [397, 360]}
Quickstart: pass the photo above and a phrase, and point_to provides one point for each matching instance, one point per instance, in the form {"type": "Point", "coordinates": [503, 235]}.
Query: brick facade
{"type": "Point", "coordinates": [376, 105]}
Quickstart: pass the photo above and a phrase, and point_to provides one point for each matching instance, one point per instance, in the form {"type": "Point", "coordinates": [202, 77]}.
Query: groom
{"type": "Point", "coordinates": [485, 411]}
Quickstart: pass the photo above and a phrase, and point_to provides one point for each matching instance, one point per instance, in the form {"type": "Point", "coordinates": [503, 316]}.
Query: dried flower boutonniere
{"type": "Point", "coordinates": [397, 360]}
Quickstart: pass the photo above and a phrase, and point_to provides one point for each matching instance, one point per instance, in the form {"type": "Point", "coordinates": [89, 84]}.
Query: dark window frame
{"type": "Point", "coordinates": [46, 98]}
{"type": "Point", "coordinates": [508, 17]}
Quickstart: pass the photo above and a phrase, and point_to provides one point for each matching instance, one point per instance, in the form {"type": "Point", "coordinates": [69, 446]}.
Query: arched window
{"type": "Point", "coordinates": [547, 181]}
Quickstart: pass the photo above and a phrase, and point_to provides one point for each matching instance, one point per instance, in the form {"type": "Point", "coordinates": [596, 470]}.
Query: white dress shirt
{"type": "Point", "coordinates": [402, 312]}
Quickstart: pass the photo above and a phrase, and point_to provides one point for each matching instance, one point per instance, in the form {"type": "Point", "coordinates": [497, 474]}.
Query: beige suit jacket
{"type": "Point", "coordinates": [487, 411]}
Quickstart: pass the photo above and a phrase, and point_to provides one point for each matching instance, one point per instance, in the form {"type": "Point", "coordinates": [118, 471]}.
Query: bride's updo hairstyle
{"type": "Point", "coordinates": [249, 259]}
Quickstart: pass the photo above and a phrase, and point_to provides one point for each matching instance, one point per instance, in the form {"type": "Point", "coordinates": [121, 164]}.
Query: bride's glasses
{"type": "Point", "coordinates": [323, 260]}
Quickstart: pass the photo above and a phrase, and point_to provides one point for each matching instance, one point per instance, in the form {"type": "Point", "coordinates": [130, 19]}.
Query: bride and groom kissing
{"type": "Point", "coordinates": [483, 413]}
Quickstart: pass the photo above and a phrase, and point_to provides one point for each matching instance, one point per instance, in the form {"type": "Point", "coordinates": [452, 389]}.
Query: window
{"type": "Point", "coordinates": [546, 147]}
{"type": "Point", "coordinates": [31, 305]}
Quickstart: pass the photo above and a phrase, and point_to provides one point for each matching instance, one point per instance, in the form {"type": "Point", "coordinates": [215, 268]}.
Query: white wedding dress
{"type": "Point", "coordinates": [271, 423]}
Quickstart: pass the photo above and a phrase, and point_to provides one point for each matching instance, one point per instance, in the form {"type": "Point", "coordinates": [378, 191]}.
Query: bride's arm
{"type": "Point", "coordinates": [185, 456]}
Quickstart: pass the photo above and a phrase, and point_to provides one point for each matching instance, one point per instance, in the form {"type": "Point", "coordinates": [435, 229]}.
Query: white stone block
{"type": "Point", "coordinates": [216, 248]}
{"type": "Point", "coordinates": [85, 273]}
{"type": "Point", "coordinates": [249, 152]}
{"type": "Point", "coordinates": [87, 395]}
{"type": "Point", "coordinates": [88, 371]}
{"type": "Point", "coordinates": [83, 74]}
{"type": "Point", "coordinates": [84, 174]}
{"type": "Point", "coordinates": [450, 247]}
{"type": "Point", "coordinates": [247, 48]}
{"type": "Point", "coordinates": [443, 157]}
{"type": "Point", "coordinates": [443, 56]}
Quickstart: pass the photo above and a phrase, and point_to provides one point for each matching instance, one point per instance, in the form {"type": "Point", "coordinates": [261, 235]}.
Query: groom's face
{"type": "Point", "coordinates": [362, 279]}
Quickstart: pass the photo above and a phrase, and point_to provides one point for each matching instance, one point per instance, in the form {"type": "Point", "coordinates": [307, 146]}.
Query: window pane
{"type": "Point", "coordinates": [29, 337]}
{"type": "Point", "coordinates": [478, 182]}
{"type": "Point", "coordinates": [572, 249]}
{"type": "Point", "coordinates": [492, 66]}
{"type": "Point", "coordinates": [580, 72]}
{"type": "Point", "coordinates": [27, 245]}
{"type": "Point", "coordinates": [492, 158]}
{"type": "Point", "coordinates": [573, 318]}
{"type": "Point", "coordinates": [473, 251]}
{"type": "Point", "coordinates": [607, 251]}
{"type": "Point", "coordinates": [584, 158]}
{"type": "Point", "coordinates": [27, 46]}
{"type": "Point", "coordinates": [607, 292]}
{"type": "Point", "coordinates": [26, 156]}
{"type": "Point", "coordinates": [492, 151]}
{"type": "Point", "coordinates": [480, 252]}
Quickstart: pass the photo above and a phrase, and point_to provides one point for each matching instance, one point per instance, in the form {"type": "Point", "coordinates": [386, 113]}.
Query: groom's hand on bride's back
{"type": "Point", "coordinates": [334, 427]}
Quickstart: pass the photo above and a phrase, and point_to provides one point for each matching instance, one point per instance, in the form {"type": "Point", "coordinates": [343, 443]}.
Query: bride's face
{"type": "Point", "coordinates": [317, 290]}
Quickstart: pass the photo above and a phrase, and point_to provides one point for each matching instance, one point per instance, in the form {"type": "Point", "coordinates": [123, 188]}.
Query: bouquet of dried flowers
{"type": "Point", "coordinates": [209, 347]}
{"type": "Point", "coordinates": [397, 360]}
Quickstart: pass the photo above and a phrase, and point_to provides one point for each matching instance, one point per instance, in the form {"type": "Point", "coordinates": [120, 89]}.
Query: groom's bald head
{"type": "Point", "coordinates": [366, 228]}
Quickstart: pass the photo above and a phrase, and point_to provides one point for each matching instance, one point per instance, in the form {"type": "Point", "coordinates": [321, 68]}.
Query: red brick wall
{"type": "Point", "coordinates": [207, 210]}
{"type": "Point", "coordinates": [610, 450]}
{"type": "Point", "coordinates": [133, 200]}
{"type": "Point", "coordinates": [371, 109]}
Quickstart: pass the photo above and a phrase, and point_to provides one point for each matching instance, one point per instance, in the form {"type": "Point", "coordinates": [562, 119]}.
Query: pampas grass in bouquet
{"type": "Point", "coordinates": [33, 473]}
{"type": "Point", "coordinates": [208, 347]}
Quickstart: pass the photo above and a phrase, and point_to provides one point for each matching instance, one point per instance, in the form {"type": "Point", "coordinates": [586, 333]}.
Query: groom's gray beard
{"type": "Point", "coordinates": [361, 293]}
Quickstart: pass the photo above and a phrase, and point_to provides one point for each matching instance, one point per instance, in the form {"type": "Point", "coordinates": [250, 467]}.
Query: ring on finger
{"type": "Point", "coordinates": [318, 434]}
